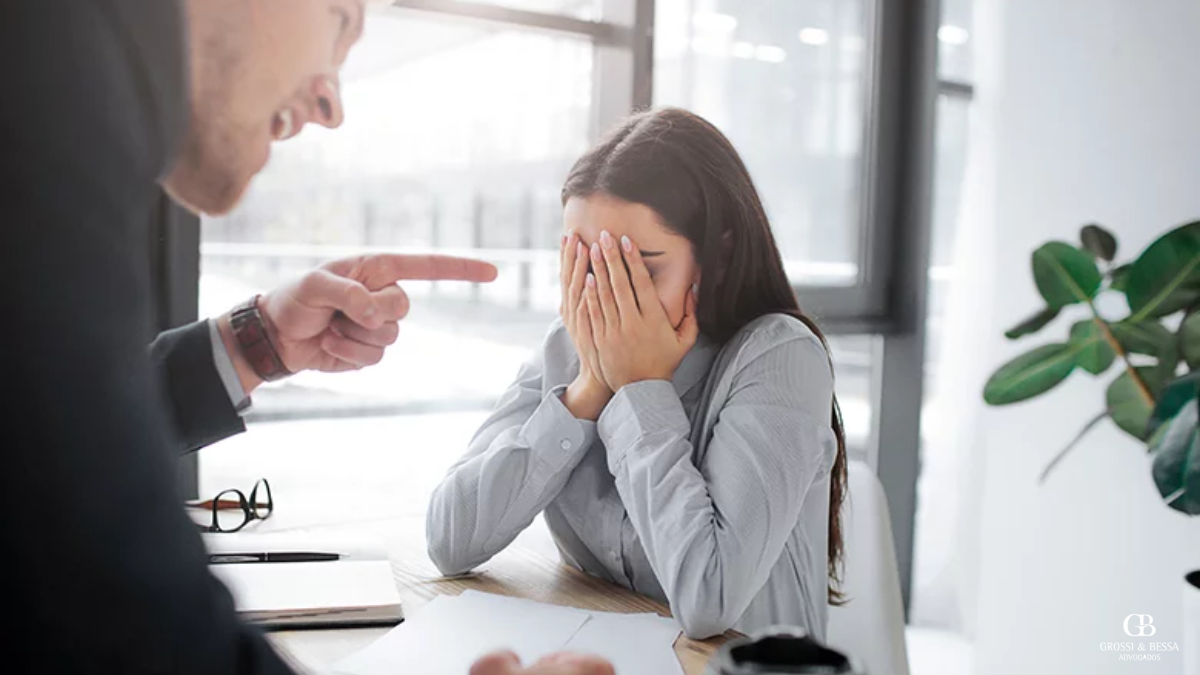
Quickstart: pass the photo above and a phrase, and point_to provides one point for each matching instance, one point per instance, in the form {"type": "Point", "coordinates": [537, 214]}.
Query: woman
{"type": "Point", "coordinates": [678, 428]}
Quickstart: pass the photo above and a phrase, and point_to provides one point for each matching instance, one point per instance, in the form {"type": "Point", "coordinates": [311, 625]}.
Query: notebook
{"type": "Point", "coordinates": [314, 594]}
{"type": "Point", "coordinates": [358, 590]}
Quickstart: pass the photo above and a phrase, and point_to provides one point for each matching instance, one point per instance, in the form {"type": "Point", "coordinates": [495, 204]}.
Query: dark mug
{"type": "Point", "coordinates": [778, 651]}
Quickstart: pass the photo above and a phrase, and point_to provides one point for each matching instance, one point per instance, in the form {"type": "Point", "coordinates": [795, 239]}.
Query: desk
{"type": "Point", "coordinates": [517, 571]}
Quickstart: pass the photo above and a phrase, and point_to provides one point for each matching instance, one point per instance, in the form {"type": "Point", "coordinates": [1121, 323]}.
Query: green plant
{"type": "Point", "coordinates": [1151, 399]}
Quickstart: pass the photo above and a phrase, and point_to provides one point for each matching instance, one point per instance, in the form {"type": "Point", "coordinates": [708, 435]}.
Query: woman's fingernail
{"type": "Point", "coordinates": [606, 239]}
{"type": "Point", "coordinates": [596, 252]}
{"type": "Point", "coordinates": [591, 280]}
{"type": "Point", "coordinates": [626, 244]}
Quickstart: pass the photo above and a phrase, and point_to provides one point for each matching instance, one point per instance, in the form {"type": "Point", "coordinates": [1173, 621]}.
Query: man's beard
{"type": "Point", "coordinates": [209, 176]}
{"type": "Point", "coordinates": [211, 173]}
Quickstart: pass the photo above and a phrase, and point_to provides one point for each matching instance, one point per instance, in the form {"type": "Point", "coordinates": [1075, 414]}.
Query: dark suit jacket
{"type": "Point", "coordinates": [100, 569]}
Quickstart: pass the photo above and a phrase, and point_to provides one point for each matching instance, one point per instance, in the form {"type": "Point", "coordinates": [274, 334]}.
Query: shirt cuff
{"type": "Point", "coordinates": [556, 436]}
{"type": "Point", "coordinates": [638, 410]}
{"type": "Point", "coordinates": [224, 364]}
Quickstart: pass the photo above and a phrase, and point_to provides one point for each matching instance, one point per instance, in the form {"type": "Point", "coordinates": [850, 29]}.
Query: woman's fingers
{"type": "Point", "coordinates": [586, 340]}
{"type": "Point", "coordinates": [566, 266]}
{"type": "Point", "coordinates": [643, 285]}
{"type": "Point", "coordinates": [562, 273]}
{"type": "Point", "coordinates": [595, 312]}
{"type": "Point", "coordinates": [618, 278]}
{"type": "Point", "coordinates": [604, 291]}
{"type": "Point", "coordinates": [578, 276]}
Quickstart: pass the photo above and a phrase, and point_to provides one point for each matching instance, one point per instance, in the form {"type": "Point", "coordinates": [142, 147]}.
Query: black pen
{"type": "Point", "coordinates": [283, 557]}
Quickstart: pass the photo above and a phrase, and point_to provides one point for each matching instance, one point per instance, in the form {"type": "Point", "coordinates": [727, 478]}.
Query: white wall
{"type": "Point", "coordinates": [1087, 110]}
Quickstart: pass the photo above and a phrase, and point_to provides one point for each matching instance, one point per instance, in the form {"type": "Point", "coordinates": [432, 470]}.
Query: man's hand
{"type": "Point", "coordinates": [343, 315]}
{"type": "Point", "coordinates": [507, 663]}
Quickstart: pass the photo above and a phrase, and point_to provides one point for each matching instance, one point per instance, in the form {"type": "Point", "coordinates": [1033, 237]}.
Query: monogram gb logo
{"type": "Point", "coordinates": [1143, 628]}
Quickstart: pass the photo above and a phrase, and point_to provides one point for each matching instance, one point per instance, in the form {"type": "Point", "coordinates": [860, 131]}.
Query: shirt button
{"type": "Point", "coordinates": [565, 444]}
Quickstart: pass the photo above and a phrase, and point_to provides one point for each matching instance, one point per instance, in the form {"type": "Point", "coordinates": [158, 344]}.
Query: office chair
{"type": "Point", "coordinates": [871, 625]}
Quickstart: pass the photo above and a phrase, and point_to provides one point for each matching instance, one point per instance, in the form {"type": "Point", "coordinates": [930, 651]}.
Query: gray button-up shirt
{"type": "Point", "coordinates": [709, 493]}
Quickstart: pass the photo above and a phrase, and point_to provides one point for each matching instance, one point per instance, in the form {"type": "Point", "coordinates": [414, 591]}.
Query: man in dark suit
{"type": "Point", "coordinates": [107, 102]}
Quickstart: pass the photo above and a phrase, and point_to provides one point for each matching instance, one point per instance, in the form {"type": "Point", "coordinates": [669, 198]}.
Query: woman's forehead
{"type": "Point", "coordinates": [589, 216]}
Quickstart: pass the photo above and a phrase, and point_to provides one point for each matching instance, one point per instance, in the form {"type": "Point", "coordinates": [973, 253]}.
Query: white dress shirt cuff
{"type": "Point", "coordinates": [556, 436]}
{"type": "Point", "coordinates": [224, 364]}
{"type": "Point", "coordinates": [639, 410]}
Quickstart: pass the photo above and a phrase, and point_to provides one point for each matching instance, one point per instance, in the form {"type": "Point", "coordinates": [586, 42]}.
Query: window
{"type": "Point", "coordinates": [936, 545]}
{"type": "Point", "coordinates": [785, 81]}
{"type": "Point", "coordinates": [955, 53]}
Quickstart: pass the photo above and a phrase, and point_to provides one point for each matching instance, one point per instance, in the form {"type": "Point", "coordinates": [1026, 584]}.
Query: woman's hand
{"type": "Point", "coordinates": [589, 393]}
{"type": "Point", "coordinates": [633, 335]}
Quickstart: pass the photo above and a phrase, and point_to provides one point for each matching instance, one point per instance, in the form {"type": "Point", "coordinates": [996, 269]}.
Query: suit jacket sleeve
{"type": "Point", "coordinates": [103, 568]}
{"type": "Point", "coordinates": [196, 397]}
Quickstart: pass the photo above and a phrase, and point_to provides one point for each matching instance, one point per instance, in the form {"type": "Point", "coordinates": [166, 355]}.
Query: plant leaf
{"type": "Point", "coordinates": [1126, 404]}
{"type": "Point", "coordinates": [1168, 362]}
{"type": "Point", "coordinates": [1166, 277]}
{"type": "Point", "coordinates": [1033, 324]}
{"type": "Point", "coordinates": [1176, 462]}
{"type": "Point", "coordinates": [1074, 441]}
{"type": "Point", "coordinates": [1064, 274]}
{"type": "Point", "coordinates": [1189, 340]}
{"type": "Point", "coordinates": [1147, 337]}
{"type": "Point", "coordinates": [1099, 242]}
{"type": "Point", "coordinates": [1030, 374]}
{"type": "Point", "coordinates": [1174, 396]}
{"type": "Point", "coordinates": [1092, 351]}
{"type": "Point", "coordinates": [1120, 278]}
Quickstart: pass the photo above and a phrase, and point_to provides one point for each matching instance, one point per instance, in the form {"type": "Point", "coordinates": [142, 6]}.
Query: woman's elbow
{"type": "Point", "coordinates": [449, 559]}
{"type": "Point", "coordinates": [444, 545]}
{"type": "Point", "coordinates": [700, 622]}
{"type": "Point", "coordinates": [439, 553]}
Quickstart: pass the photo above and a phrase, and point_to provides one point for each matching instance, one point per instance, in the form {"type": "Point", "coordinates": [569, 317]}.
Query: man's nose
{"type": "Point", "coordinates": [328, 113]}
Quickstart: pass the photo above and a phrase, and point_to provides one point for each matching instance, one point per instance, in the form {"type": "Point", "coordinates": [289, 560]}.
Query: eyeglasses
{"type": "Point", "coordinates": [231, 511]}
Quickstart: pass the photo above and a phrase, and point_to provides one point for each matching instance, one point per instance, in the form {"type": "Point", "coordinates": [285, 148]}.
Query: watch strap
{"type": "Point", "coordinates": [250, 331]}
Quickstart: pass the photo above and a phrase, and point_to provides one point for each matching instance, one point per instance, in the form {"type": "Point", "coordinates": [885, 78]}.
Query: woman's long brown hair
{"type": "Point", "coordinates": [687, 171]}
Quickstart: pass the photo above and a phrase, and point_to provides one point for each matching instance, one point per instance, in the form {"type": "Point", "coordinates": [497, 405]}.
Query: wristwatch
{"type": "Point", "coordinates": [250, 331]}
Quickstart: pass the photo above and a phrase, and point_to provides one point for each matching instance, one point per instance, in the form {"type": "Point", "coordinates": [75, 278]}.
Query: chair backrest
{"type": "Point", "coordinates": [870, 626]}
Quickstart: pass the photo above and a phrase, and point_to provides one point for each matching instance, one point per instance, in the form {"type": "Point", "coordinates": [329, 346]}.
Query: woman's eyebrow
{"type": "Point", "coordinates": [652, 254]}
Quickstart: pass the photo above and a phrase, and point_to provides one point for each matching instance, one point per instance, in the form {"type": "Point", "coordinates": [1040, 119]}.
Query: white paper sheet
{"type": "Point", "coordinates": [451, 633]}
{"type": "Point", "coordinates": [635, 645]}
{"type": "Point", "coordinates": [650, 627]}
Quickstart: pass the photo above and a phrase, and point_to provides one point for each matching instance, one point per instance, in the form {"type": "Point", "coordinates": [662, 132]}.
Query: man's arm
{"type": "Point", "coordinates": [201, 385]}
